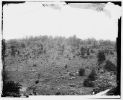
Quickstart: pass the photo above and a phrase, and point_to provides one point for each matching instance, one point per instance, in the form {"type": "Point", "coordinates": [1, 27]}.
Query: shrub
{"type": "Point", "coordinates": [101, 57]}
{"type": "Point", "coordinates": [92, 51]}
{"type": "Point", "coordinates": [81, 72]}
{"type": "Point", "coordinates": [111, 52]}
{"type": "Point", "coordinates": [109, 66]}
{"type": "Point", "coordinates": [88, 83]}
{"type": "Point", "coordinates": [11, 89]}
{"type": "Point", "coordinates": [37, 81]}
{"type": "Point", "coordinates": [66, 66]}
{"type": "Point", "coordinates": [58, 93]}
{"type": "Point", "coordinates": [105, 81]}
{"type": "Point", "coordinates": [34, 65]}
{"type": "Point", "coordinates": [82, 51]}
{"type": "Point", "coordinates": [93, 75]}
{"type": "Point", "coordinates": [107, 51]}
{"type": "Point", "coordinates": [88, 52]}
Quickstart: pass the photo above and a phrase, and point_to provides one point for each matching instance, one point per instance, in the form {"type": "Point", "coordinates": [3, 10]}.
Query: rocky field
{"type": "Point", "coordinates": [58, 66]}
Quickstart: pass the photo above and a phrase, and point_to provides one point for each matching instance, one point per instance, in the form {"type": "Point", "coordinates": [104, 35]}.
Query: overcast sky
{"type": "Point", "coordinates": [33, 19]}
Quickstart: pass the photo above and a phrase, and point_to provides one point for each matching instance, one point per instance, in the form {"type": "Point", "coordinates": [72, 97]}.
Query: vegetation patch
{"type": "Point", "coordinates": [11, 89]}
{"type": "Point", "coordinates": [81, 72]}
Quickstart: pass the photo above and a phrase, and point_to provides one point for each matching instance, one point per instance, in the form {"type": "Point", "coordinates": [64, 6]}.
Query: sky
{"type": "Point", "coordinates": [60, 19]}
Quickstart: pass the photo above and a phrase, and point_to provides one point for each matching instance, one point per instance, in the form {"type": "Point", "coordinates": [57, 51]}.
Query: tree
{"type": "Point", "coordinates": [88, 83]}
{"type": "Point", "coordinates": [11, 89]}
{"type": "Point", "coordinates": [101, 57]}
{"type": "Point", "coordinates": [81, 72]}
{"type": "Point", "coordinates": [92, 75]}
{"type": "Point", "coordinates": [82, 51]}
{"type": "Point", "coordinates": [109, 66]}
{"type": "Point", "coordinates": [88, 52]}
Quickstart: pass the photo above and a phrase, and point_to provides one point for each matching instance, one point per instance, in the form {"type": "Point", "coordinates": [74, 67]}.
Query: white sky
{"type": "Point", "coordinates": [31, 19]}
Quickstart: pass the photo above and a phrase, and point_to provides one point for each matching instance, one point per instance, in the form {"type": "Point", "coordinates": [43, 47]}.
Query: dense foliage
{"type": "Point", "coordinates": [11, 89]}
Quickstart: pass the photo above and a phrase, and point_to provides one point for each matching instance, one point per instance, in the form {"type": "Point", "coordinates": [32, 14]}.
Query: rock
{"type": "Point", "coordinates": [72, 74]}
{"type": "Point", "coordinates": [81, 92]}
{"type": "Point", "coordinates": [72, 85]}
{"type": "Point", "coordinates": [23, 89]}
{"type": "Point", "coordinates": [71, 78]}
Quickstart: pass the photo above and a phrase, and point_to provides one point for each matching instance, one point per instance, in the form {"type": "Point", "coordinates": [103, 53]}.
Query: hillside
{"type": "Point", "coordinates": [61, 66]}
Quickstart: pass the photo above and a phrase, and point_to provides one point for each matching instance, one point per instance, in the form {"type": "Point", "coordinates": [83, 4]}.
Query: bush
{"type": "Point", "coordinates": [88, 83]}
{"type": "Point", "coordinates": [66, 66]}
{"type": "Point", "coordinates": [101, 57]}
{"type": "Point", "coordinates": [111, 52]}
{"type": "Point", "coordinates": [37, 81]}
{"type": "Point", "coordinates": [92, 51]}
{"type": "Point", "coordinates": [11, 89]}
{"type": "Point", "coordinates": [81, 72]}
{"type": "Point", "coordinates": [109, 66]}
{"type": "Point", "coordinates": [82, 51]}
{"type": "Point", "coordinates": [93, 75]}
{"type": "Point", "coordinates": [105, 81]}
{"type": "Point", "coordinates": [88, 52]}
{"type": "Point", "coordinates": [58, 93]}
{"type": "Point", "coordinates": [107, 51]}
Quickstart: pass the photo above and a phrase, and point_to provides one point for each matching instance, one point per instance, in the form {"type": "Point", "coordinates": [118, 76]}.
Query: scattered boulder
{"type": "Point", "coordinates": [72, 85]}
{"type": "Point", "coordinates": [71, 78]}
{"type": "Point", "coordinates": [23, 89]}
